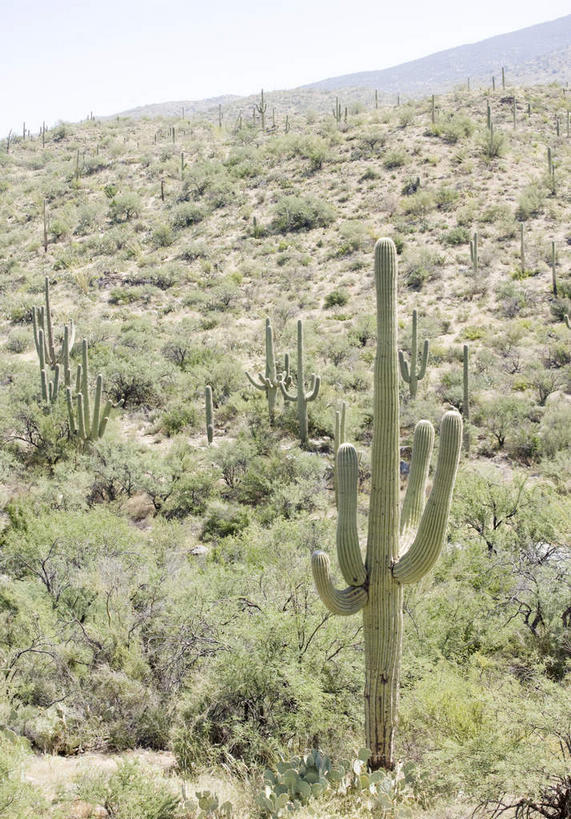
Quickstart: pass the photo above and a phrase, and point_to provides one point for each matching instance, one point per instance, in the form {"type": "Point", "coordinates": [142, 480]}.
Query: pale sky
{"type": "Point", "coordinates": [61, 59]}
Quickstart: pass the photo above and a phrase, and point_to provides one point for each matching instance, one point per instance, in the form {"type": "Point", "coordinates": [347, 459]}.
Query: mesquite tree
{"type": "Point", "coordinates": [401, 547]}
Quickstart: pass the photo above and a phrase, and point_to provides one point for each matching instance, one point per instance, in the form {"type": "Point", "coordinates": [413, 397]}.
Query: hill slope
{"type": "Point", "coordinates": [541, 50]}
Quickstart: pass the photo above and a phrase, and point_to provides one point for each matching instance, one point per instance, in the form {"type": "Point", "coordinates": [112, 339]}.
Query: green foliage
{"type": "Point", "coordinates": [125, 206]}
{"type": "Point", "coordinates": [293, 213]}
{"type": "Point", "coordinates": [131, 792]}
{"type": "Point", "coordinates": [337, 298]}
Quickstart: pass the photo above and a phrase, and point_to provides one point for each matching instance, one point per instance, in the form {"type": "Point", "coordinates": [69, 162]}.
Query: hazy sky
{"type": "Point", "coordinates": [61, 59]}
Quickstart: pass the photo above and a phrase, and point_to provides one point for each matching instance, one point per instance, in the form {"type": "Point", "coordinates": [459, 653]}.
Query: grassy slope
{"type": "Point", "coordinates": [128, 283]}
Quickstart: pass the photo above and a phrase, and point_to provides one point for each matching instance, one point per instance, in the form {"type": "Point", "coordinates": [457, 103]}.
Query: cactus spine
{"type": "Point", "coordinates": [270, 382]}
{"type": "Point", "coordinates": [400, 548]}
{"type": "Point", "coordinates": [339, 438]}
{"type": "Point", "coordinates": [83, 423]}
{"type": "Point", "coordinates": [209, 407]}
{"type": "Point", "coordinates": [301, 396]}
{"type": "Point", "coordinates": [466, 397]}
{"type": "Point", "coordinates": [412, 376]}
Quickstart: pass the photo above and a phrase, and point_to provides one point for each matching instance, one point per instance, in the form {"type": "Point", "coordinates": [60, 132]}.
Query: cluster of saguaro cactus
{"type": "Point", "coordinates": [209, 408]}
{"type": "Point", "coordinates": [85, 424]}
{"type": "Point", "coordinates": [270, 382]}
{"type": "Point", "coordinates": [49, 359]}
{"type": "Point", "coordinates": [401, 547]}
{"type": "Point", "coordinates": [337, 111]}
{"type": "Point", "coordinates": [301, 396]}
{"type": "Point", "coordinates": [413, 375]}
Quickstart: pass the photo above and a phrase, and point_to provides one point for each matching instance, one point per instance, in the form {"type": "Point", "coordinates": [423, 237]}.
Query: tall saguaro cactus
{"type": "Point", "coordinates": [413, 375]}
{"type": "Point", "coordinates": [301, 396]}
{"type": "Point", "coordinates": [270, 382]}
{"type": "Point", "coordinates": [401, 547]}
{"type": "Point", "coordinates": [209, 410]}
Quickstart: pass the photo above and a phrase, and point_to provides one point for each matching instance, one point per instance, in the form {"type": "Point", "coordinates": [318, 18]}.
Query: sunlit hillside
{"type": "Point", "coordinates": [156, 596]}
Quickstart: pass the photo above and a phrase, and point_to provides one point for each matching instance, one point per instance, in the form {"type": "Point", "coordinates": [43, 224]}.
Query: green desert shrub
{"type": "Point", "coordinates": [293, 213]}
{"type": "Point", "coordinates": [336, 298]}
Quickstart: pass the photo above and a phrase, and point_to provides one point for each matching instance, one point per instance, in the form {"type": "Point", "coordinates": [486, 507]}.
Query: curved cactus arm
{"type": "Point", "coordinates": [287, 396]}
{"type": "Point", "coordinates": [339, 601]}
{"type": "Point", "coordinates": [286, 375]}
{"type": "Point", "coordinates": [429, 539]}
{"type": "Point", "coordinates": [348, 550]}
{"type": "Point", "coordinates": [94, 431]}
{"type": "Point", "coordinates": [259, 385]}
{"type": "Point", "coordinates": [424, 360]}
{"type": "Point", "coordinates": [104, 418]}
{"type": "Point", "coordinates": [414, 501]}
{"type": "Point", "coordinates": [313, 391]}
{"type": "Point", "coordinates": [404, 368]}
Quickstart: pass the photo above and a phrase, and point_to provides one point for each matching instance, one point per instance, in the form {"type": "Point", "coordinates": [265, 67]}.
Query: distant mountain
{"type": "Point", "coordinates": [537, 55]}
{"type": "Point", "coordinates": [532, 55]}
{"type": "Point", "coordinates": [176, 108]}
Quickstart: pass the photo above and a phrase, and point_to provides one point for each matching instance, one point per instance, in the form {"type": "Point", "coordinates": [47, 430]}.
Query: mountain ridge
{"type": "Point", "coordinates": [534, 55]}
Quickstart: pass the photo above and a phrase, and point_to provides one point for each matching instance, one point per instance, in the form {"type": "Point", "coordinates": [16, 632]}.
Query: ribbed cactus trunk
{"type": "Point", "coordinates": [382, 616]}
{"type": "Point", "coordinates": [401, 548]}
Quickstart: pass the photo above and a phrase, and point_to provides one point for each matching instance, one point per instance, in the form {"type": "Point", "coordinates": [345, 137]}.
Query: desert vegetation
{"type": "Point", "coordinates": [186, 303]}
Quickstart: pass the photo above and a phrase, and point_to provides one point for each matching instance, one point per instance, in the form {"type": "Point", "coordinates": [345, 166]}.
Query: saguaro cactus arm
{"type": "Point", "coordinates": [259, 385]}
{"type": "Point", "coordinates": [313, 391]}
{"type": "Point", "coordinates": [339, 601]}
{"type": "Point", "coordinates": [429, 539]}
{"type": "Point", "coordinates": [414, 501]}
{"type": "Point", "coordinates": [348, 550]}
{"type": "Point", "coordinates": [287, 396]}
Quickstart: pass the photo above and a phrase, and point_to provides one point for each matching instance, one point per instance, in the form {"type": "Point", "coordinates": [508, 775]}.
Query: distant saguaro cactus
{"type": "Point", "coordinates": [261, 107]}
{"type": "Point", "coordinates": [270, 382]}
{"type": "Point", "coordinates": [401, 547]}
{"type": "Point", "coordinates": [84, 424]}
{"type": "Point", "coordinates": [413, 375]}
{"type": "Point", "coordinates": [474, 251]}
{"type": "Point", "coordinates": [209, 409]}
{"type": "Point", "coordinates": [301, 396]}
